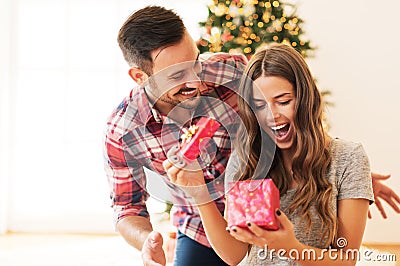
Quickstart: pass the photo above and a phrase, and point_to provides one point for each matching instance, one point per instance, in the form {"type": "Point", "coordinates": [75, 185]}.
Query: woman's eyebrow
{"type": "Point", "coordinates": [281, 95]}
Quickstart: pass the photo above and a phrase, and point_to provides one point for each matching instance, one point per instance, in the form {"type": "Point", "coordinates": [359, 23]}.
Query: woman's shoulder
{"type": "Point", "coordinates": [350, 169]}
{"type": "Point", "coordinates": [347, 156]}
{"type": "Point", "coordinates": [345, 148]}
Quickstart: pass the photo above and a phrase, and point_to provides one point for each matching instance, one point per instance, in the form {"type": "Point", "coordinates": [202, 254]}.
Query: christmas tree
{"type": "Point", "coordinates": [242, 25]}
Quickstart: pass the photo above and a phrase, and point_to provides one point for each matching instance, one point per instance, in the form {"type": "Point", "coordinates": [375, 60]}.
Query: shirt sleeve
{"type": "Point", "coordinates": [356, 181]}
{"type": "Point", "coordinates": [222, 68]}
{"type": "Point", "coordinates": [127, 182]}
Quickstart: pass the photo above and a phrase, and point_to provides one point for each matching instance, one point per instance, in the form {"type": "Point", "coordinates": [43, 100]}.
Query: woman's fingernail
{"type": "Point", "coordinates": [278, 212]}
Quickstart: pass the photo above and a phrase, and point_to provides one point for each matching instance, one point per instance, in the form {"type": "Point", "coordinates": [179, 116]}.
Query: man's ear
{"type": "Point", "coordinates": [137, 75]}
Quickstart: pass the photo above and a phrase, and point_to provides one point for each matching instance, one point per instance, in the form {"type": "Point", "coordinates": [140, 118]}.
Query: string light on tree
{"type": "Point", "coordinates": [243, 25]}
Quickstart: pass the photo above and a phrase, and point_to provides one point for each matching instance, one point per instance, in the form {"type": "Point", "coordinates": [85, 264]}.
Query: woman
{"type": "Point", "coordinates": [325, 184]}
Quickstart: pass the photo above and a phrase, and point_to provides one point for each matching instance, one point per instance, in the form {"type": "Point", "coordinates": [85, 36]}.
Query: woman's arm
{"type": "Point", "coordinates": [227, 247]}
{"type": "Point", "coordinates": [352, 218]}
{"type": "Point", "coordinates": [191, 180]}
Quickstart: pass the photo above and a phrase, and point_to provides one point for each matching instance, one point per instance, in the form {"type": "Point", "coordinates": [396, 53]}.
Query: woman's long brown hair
{"type": "Point", "coordinates": [311, 158]}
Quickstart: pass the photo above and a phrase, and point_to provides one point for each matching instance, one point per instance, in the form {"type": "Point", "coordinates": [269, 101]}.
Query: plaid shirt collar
{"type": "Point", "coordinates": [147, 111]}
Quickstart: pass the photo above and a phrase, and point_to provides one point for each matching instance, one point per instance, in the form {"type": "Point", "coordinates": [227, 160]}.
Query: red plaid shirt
{"type": "Point", "coordinates": [138, 136]}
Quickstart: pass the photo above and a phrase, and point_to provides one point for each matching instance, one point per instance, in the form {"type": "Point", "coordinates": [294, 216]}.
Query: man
{"type": "Point", "coordinates": [170, 96]}
{"type": "Point", "coordinates": [174, 90]}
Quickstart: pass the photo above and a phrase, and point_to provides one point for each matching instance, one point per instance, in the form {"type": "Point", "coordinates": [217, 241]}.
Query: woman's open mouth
{"type": "Point", "coordinates": [281, 132]}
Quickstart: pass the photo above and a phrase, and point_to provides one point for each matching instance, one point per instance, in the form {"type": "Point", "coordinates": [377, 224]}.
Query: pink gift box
{"type": "Point", "coordinates": [253, 201]}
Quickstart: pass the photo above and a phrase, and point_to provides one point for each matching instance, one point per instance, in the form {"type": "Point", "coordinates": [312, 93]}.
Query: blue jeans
{"type": "Point", "coordinates": [190, 253]}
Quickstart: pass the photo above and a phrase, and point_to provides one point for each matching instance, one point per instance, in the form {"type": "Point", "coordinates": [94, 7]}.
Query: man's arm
{"type": "Point", "coordinates": [221, 68]}
{"type": "Point", "coordinates": [135, 230]}
{"type": "Point", "coordinates": [127, 189]}
{"type": "Point", "coordinates": [138, 232]}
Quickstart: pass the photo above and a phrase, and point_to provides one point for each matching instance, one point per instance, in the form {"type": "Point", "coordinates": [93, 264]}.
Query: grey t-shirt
{"type": "Point", "coordinates": [349, 172]}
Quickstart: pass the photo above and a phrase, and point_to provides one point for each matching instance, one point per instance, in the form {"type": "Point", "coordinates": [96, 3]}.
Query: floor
{"type": "Point", "coordinates": [89, 250]}
{"type": "Point", "coordinates": [68, 249]}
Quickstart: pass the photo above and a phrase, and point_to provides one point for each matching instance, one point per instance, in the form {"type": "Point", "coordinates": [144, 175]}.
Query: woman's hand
{"type": "Point", "coordinates": [187, 175]}
{"type": "Point", "coordinates": [182, 172]}
{"type": "Point", "coordinates": [283, 238]}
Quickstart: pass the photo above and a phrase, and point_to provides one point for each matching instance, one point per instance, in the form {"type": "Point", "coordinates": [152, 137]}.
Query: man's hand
{"type": "Point", "coordinates": [152, 251]}
{"type": "Point", "coordinates": [383, 192]}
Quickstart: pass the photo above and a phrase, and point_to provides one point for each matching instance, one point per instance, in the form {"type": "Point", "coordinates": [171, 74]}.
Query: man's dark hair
{"type": "Point", "coordinates": [146, 30]}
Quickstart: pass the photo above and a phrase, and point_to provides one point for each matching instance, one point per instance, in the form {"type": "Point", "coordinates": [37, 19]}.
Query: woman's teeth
{"type": "Point", "coordinates": [281, 131]}
{"type": "Point", "coordinates": [278, 127]}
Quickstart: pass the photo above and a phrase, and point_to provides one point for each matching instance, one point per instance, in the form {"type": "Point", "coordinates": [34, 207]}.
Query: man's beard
{"type": "Point", "coordinates": [189, 104]}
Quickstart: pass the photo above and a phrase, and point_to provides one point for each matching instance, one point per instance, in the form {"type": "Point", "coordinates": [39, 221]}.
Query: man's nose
{"type": "Point", "coordinates": [194, 80]}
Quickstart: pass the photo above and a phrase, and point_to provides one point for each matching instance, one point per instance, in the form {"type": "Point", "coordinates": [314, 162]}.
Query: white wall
{"type": "Point", "coordinates": [358, 60]}
{"type": "Point", "coordinates": [65, 80]}
{"type": "Point", "coordinates": [5, 92]}
{"type": "Point", "coordinates": [62, 74]}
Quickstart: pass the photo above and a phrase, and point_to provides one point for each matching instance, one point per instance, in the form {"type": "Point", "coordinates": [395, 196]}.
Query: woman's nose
{"type": "Point", "coordinates": [273, 113]}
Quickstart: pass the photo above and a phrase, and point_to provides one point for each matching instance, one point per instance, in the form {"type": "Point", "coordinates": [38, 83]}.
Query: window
{"type": "Point", "coordinates": [67, 75]}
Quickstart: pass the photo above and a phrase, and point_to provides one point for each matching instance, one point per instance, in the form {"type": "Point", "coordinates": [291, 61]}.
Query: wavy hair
{"type": "Point", "coordinates": [311, 158]}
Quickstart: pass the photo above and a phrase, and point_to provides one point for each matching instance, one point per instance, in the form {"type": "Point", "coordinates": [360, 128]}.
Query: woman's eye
{"type": "Point", "coordinates": [285, 102]}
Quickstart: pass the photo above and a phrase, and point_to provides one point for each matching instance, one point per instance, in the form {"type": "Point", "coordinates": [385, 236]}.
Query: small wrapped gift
{"type": "Point", "coordinates": [253, 201]}
{"type": "Point", "coordinates": [196, 136]}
